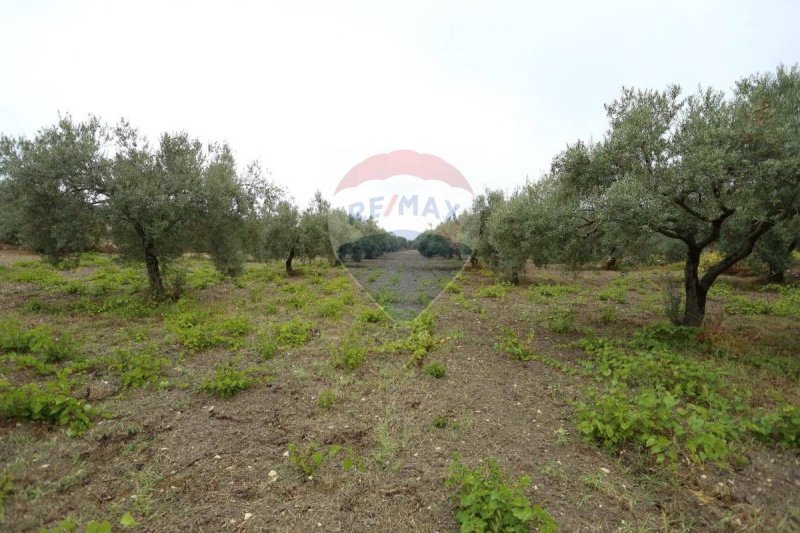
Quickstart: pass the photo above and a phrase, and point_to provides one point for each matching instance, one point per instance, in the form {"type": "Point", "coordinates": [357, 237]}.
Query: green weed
{"type": "Point", "coordinates": [293, 333]}
{"type": "Point", "coordinates": [199, 330]}
{"type": "Point", "coordinates": [513, 346]}
{"type": "Point", "coordinates": [546, 292]}
{"type": "Point", "coordinates": [228, 381]}
{"type": "Point", "coordinates": [49, 404]}
{"type": "Point", "coordinates": [373, 316]}
{"type": "Point", "coordinates": [742, 305]}
{"type": "Point", "coordinates": [671, 405]}
{"type": "Point", "coordinates": [309, 458]}
{"type": "Point", "coordinates": [326, 399]}
{"type": "Point", "coordinates": [349, 355]}
{"type": "Point", "coordinates": [6, 490]}
{"type": "Point", "coordinates": [329, 308]}
{"type": "Point", "coordinates": [419, 342]}
{"type": "Point", "coordinates": [441, 422]}
{"type": "Point", "coordinates": [498, 290]}
{"type": "Point", "coordinates": [138, 369]}
{"type": "Point", "coordinates": [435, 370]}
{"type": "Point", "coordinates": [614, 293]}
{"type": "Point", "coordinates": [488, 501]}
{"type": "Point", "coordinates": [781, 426]}
{"type": "Point", "coordinates": [561, 321]}
{"type": "Point", "coordinates": [41, 341]}
{"type": "Point", "coordinates": [386, 297]}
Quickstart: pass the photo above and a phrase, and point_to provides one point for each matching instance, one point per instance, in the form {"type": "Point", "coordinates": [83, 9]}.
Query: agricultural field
{"type": "Point", "coordinates": [297, 403]}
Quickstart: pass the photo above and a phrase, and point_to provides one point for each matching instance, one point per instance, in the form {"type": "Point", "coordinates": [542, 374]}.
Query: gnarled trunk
{"type": "Point", "coordinates": [153, 270]}
{"type": "Point", "coordinates": [289, 261]}
{"type": "Point", "coordinates": [696, 290]}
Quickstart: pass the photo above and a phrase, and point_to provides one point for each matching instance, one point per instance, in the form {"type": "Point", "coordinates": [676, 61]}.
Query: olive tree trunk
{"type": "Point", "coordinates": [696, 291]}
{"type": "Point", "coordinates": [289, 261]}
{"type": "Point", "coordinates": [153, 270]}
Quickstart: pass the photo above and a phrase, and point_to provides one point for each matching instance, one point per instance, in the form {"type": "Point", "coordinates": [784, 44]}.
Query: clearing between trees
{"type": "Point", "coordinates": [294, 403]}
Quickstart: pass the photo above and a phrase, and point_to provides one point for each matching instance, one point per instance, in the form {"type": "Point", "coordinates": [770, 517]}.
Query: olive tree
{"type": "Point", "coordinates": [78, 182]}
{"type": "Point", "coordinates": [695, 168]}
{"type": "Point", "coordinates": [280, 236]}
{"type": "Point", "coordinates": [54, 183]}
{"type": "Point", "coordinates": [474, 223]}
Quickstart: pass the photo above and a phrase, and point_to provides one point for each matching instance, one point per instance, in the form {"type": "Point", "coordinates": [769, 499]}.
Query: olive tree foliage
{"type": "Point", "coordinates": [78, 183]}
{"type": "Point", "coordinates": [356, 238]}
{"type": "Point", "coordinates": [178, 197]}
{"type": "Point", "coordinates": [579, 176]}
{"type": "Point", "coordinates": [776, 247]}
{"type": "Point", "coordinates": [692, 169]}
{"type": "Point", "coordinates": [10, 215]}
{"type": "Point", "coordinates": [52, 183]}
{"type": "Point", "coordinates": [315, 231]}
{"type": "Point", "coordinates": [280, 233]}
{"type": "Point", "coordinates": [285, 232]}
{"type": "Point", "coordinates": [474, 222]}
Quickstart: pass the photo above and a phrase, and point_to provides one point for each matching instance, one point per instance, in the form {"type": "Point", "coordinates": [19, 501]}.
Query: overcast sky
{"type": "Point", "coordinates": [312, 88]}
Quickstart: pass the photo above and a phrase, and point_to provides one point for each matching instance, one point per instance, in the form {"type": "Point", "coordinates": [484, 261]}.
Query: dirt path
{"type": "Point", "coordinates": [404, 282]}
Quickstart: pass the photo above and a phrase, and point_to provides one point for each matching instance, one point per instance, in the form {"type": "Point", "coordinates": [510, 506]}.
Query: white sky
{"type": "Point", "coordinates": [312, 88]}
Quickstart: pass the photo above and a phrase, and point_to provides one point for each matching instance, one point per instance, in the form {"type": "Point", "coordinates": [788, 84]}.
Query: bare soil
{"type": "Point", "coordinates": [182, 460]}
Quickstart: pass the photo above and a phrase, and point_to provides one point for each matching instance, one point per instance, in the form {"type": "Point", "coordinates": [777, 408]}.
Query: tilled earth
{"type": "Point", "coordinates": [182, 460]}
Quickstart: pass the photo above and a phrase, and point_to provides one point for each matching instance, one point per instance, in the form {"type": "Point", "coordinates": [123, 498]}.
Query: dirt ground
{"type": "Point", "coordinates": [180, 459]}
{"type": "Point", "coordinates": [409, 280]}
